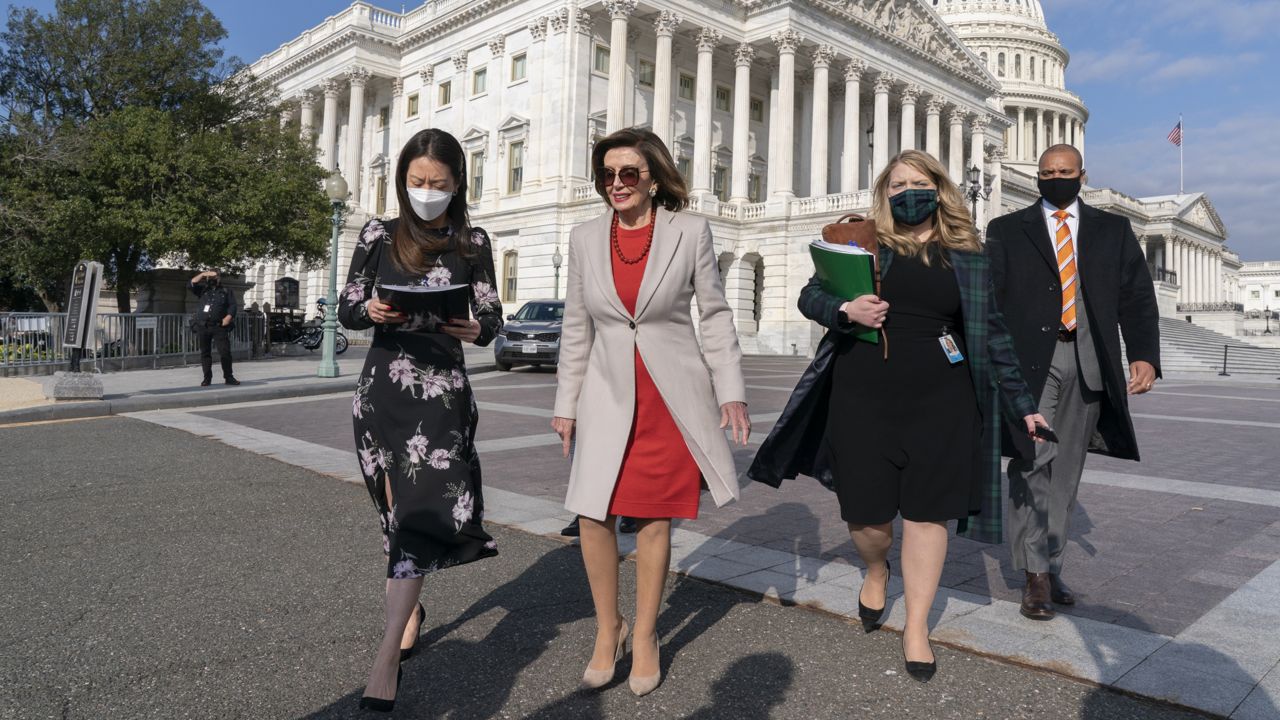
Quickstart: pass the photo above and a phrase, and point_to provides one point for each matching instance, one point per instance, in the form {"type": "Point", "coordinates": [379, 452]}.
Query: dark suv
{"type": "Point", "coordinates": [531, 336]}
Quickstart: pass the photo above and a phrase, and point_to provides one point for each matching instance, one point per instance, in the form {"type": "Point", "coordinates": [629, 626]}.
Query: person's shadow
{"type": "Point", "coordinates": [453, 677]}
{"type": "Point", "coordinates": [687, 615]}
{"type": "Point", "coordinates": [750, 689]}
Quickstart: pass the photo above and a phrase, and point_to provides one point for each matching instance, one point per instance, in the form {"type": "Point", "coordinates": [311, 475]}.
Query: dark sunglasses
{"type": "Point", "coordinates": [629, 176]}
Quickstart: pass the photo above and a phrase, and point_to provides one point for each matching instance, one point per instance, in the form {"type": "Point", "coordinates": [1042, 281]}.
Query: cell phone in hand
{"type": "Point", "coordinates": [1045, 433]}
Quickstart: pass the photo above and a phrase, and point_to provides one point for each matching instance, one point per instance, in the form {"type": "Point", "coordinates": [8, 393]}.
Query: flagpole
{"type": "Point", "coordinates": [1180, 151]}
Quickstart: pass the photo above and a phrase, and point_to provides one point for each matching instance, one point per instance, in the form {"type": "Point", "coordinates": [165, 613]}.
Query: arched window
{"type": "Point", "coordinates": [1031, 66]}
{"type": "Point", "coordinates": [1017, 67]}
{"type": "Point", "coordinates": [1000, 65]}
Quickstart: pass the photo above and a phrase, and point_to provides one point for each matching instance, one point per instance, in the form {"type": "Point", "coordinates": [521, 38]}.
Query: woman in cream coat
{"type": "Point", "coordinates": [649, 405]}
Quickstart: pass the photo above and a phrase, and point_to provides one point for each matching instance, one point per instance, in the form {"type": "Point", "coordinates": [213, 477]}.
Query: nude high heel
{"type": "Point", "coordinates": [642, 686]}
{"type": "Point", "coordinates": [594, 679]}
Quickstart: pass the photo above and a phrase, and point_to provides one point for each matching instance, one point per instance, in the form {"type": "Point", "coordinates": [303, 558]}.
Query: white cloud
{"type": "Point", "coordinates": [1091, 66]}
{"type": "Point", "coordinates": [1231, 161]}
{"type": "Point", "coordinates": [1200, 66]}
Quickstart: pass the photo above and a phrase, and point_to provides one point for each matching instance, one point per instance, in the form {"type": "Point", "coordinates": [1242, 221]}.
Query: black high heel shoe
{"type": "Point", "coordinates": [378, 704]}
{"type": "Point", "coordinates": [406, 653]}
{"type": "Point", "coordinates": [871, 618]}
{"type": "Point", "coordinates": [922, 671]}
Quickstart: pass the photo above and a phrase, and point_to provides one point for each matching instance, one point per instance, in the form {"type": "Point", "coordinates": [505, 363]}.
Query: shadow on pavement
{"type": "Point", "coordinates": [451, 677]}
{"type": "Point", "coordinates": [751, 688]}
{"type": "Point", "coordinates": [685, 618]}
{"type": "Point", "coordinates": [1183, 672]}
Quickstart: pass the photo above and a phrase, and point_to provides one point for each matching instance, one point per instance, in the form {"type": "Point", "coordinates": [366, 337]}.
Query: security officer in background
{"type": "Point", "coordinates": [212, 323]}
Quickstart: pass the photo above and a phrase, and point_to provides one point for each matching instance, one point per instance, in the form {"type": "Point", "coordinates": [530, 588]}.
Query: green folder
{"type": "Point", "coordinates": [846, 272]}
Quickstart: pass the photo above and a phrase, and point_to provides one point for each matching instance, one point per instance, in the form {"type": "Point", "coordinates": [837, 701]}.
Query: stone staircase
{"type": "Point", "coordinates": [1189, 348]}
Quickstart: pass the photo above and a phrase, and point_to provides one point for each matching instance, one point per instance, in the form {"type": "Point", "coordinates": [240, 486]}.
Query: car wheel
{"type": "Point", "coordinates": [504, 367]}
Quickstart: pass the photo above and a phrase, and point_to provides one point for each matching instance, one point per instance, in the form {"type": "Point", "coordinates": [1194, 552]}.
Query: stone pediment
{"type": "Point", "coordinates": [1203, 214]}
{"type": "Point", "coordinates": [513, 123]}
{"type": "Point", "coordinates": [916, 25]}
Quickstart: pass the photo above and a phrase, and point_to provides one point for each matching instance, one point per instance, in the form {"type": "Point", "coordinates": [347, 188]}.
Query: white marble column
{"type": "Point", "coordinates": [787, 42]}
{"type": "Point", "coordinates": [850, 163]}
{"type": "Point", "coordinates": [822, 57]}
{"type": "Point", "coordinates": [997, 158]}
{"type": "Point", "coordinates": [1020, 138]}
{"type": "Point", "coordinates": [534, 162]}
{"type": "Point", "coordinates": [461, 89]}
{"type": "Point", "coordinates": [978, 156]}
{"type": "Point", "coordinates": [426, 95]}
{"type": "Point", "coordinates": [1039, 135]}
{"type": "Point", "coordinates": [307, 119]}
{"type": "Point", "coordinates": [956, 153]}
{"type": "Point", "coordinates": [394, 139]}
{"type": "Point", "coordinates": [664, 25]}
{"type": "Point", "coordinates": [708, 38]}
{"type": "Point", "coordinates": [933, 127]}
{"type": "Point", "coordinates": [1080, 146]}
{"type": "Point", "coordinates": [619, 13]}
{"type": "Point", "coordinates": [880, 123]}
{"type": "Point", "coordinates": [743, 56]}
{"type": "Point", "coordinates": [358, 77]}
{"type": "Point", "coordinates": [910, 95]}
{"type": "Point", "coordinates": [329, 128]}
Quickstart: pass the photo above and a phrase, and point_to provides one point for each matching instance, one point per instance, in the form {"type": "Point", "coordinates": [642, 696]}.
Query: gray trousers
{"type": "Point", "coordinates": [1042, 491]}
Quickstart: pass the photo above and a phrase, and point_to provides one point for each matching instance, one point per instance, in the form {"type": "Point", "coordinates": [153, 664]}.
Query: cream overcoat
{"type": "Point", "coordinates": [596, 374]}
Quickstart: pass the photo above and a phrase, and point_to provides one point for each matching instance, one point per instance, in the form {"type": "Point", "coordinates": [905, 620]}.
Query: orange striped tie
{"type": "Point", "coordinates": [1066, 269]}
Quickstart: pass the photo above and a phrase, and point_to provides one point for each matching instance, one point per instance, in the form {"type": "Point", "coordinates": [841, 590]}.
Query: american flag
{"type": "Point", "coordinates": [1175, 135]}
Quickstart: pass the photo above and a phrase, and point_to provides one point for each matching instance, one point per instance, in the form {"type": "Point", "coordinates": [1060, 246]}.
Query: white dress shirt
{"type": "Point", "coordinates": [1073, 222]}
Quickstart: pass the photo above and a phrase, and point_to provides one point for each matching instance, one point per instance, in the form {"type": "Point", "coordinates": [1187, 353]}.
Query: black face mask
{"type": "Point", "coordinates": [1059, 191]}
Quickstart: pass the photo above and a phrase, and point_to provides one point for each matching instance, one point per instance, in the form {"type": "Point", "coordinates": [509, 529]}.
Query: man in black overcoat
{"type": "Point", "coordinates": [1070, 280]}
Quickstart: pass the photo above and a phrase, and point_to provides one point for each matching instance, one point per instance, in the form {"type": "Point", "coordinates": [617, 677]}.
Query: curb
{"type": "Point", "coordinates": [197, 398]}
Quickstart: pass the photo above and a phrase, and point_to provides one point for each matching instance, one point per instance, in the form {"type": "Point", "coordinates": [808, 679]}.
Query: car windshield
{"type": "Point", "coordinates": [541, 312]}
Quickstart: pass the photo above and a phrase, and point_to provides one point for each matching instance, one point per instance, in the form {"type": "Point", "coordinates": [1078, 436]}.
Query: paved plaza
{"type": "Point", "coordinates": [247, 578]}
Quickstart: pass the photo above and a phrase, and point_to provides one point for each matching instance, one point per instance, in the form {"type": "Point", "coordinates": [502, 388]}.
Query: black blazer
{"type": "Point", "coordinates": [1118, 297]}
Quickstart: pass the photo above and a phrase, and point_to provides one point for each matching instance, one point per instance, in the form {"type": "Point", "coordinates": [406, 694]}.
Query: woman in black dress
{"type": "Point", "coordinates": [909, 433]}
{"type": "Point", "coordinates": [414, 412]}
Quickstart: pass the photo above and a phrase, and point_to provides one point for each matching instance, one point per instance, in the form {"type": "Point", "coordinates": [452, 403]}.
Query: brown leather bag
{"type": "Point", "coordinates": [854, 229]}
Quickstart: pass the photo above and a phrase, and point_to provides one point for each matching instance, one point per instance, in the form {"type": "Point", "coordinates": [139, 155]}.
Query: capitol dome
{"type": "Point", "coordinates": [1013, 40]}
{"type": "Point", "coordinates": [1026, 11]}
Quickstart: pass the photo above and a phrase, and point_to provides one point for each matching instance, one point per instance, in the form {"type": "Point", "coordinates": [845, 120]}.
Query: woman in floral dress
{"type": "Point", "coordinates": [414, 412]}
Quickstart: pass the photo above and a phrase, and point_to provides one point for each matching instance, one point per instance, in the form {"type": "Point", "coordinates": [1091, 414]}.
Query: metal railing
{"type": "Point", "coordinates": [31, 343]}
{"type": "Point", "coordinates": [1211, 307]}
{"type": "Point", "coordinates": [1227, 350]}
{"type": "Point", "coordinates": [1164, 275]}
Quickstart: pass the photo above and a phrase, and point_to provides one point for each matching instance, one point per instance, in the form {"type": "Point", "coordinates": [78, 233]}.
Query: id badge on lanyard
{"type": "Point", "coordinates": [950, 348]}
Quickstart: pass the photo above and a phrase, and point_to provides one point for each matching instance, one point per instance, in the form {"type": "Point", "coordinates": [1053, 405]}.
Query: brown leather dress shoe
{"type": "Point", "coordinates": [1035, 597]}
{"type": "Point", "coordinates": [1059, 593]}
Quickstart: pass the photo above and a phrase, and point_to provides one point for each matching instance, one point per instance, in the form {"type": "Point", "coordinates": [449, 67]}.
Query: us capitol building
{"type": "Point", "coordinates": [779, 112]}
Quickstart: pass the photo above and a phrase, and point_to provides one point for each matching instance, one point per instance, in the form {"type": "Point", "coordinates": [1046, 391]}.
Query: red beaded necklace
{"type": "Point", "coordinates": [617, 248]}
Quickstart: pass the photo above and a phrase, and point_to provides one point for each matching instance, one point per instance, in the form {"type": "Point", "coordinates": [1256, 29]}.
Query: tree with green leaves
{"type": "Point", "coordinates": [125, 139]}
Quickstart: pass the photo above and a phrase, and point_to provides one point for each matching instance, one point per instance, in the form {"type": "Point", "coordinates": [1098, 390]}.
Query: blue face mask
{"type": "Point", "coordinates": [912, 207]}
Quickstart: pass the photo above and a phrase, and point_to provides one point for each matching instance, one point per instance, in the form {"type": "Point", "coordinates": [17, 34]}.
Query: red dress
{"type": "Point", "coordinates": [658, 478]}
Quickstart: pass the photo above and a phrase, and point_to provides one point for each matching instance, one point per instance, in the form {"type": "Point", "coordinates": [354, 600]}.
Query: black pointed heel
{"type": "Point", "coordinates": [871, 618]}
{"type": "Point", "coordinates": [406, 653]}
{"type": "Point", "coordinates": [378, 704]}
{"type": "Point", "coordinates": [922, 671]}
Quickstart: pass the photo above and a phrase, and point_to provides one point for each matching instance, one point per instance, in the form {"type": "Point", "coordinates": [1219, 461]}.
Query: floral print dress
{"type": "Point", "coordinates": [413, 410]}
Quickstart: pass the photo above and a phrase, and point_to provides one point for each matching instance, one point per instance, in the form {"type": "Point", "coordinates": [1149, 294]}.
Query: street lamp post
{"type": "Point", "coordinates": [1267, 314]}
{"type": "Point", "coordinates": [556, 260]}
{"type": "Point", "coordinates": [979, 188]}
{"type": "Point", "coordinates": [336, 188]}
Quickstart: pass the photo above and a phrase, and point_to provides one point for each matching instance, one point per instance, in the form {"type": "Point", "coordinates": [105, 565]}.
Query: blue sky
{"type": "Point", "coordinates": [1136, 63]}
